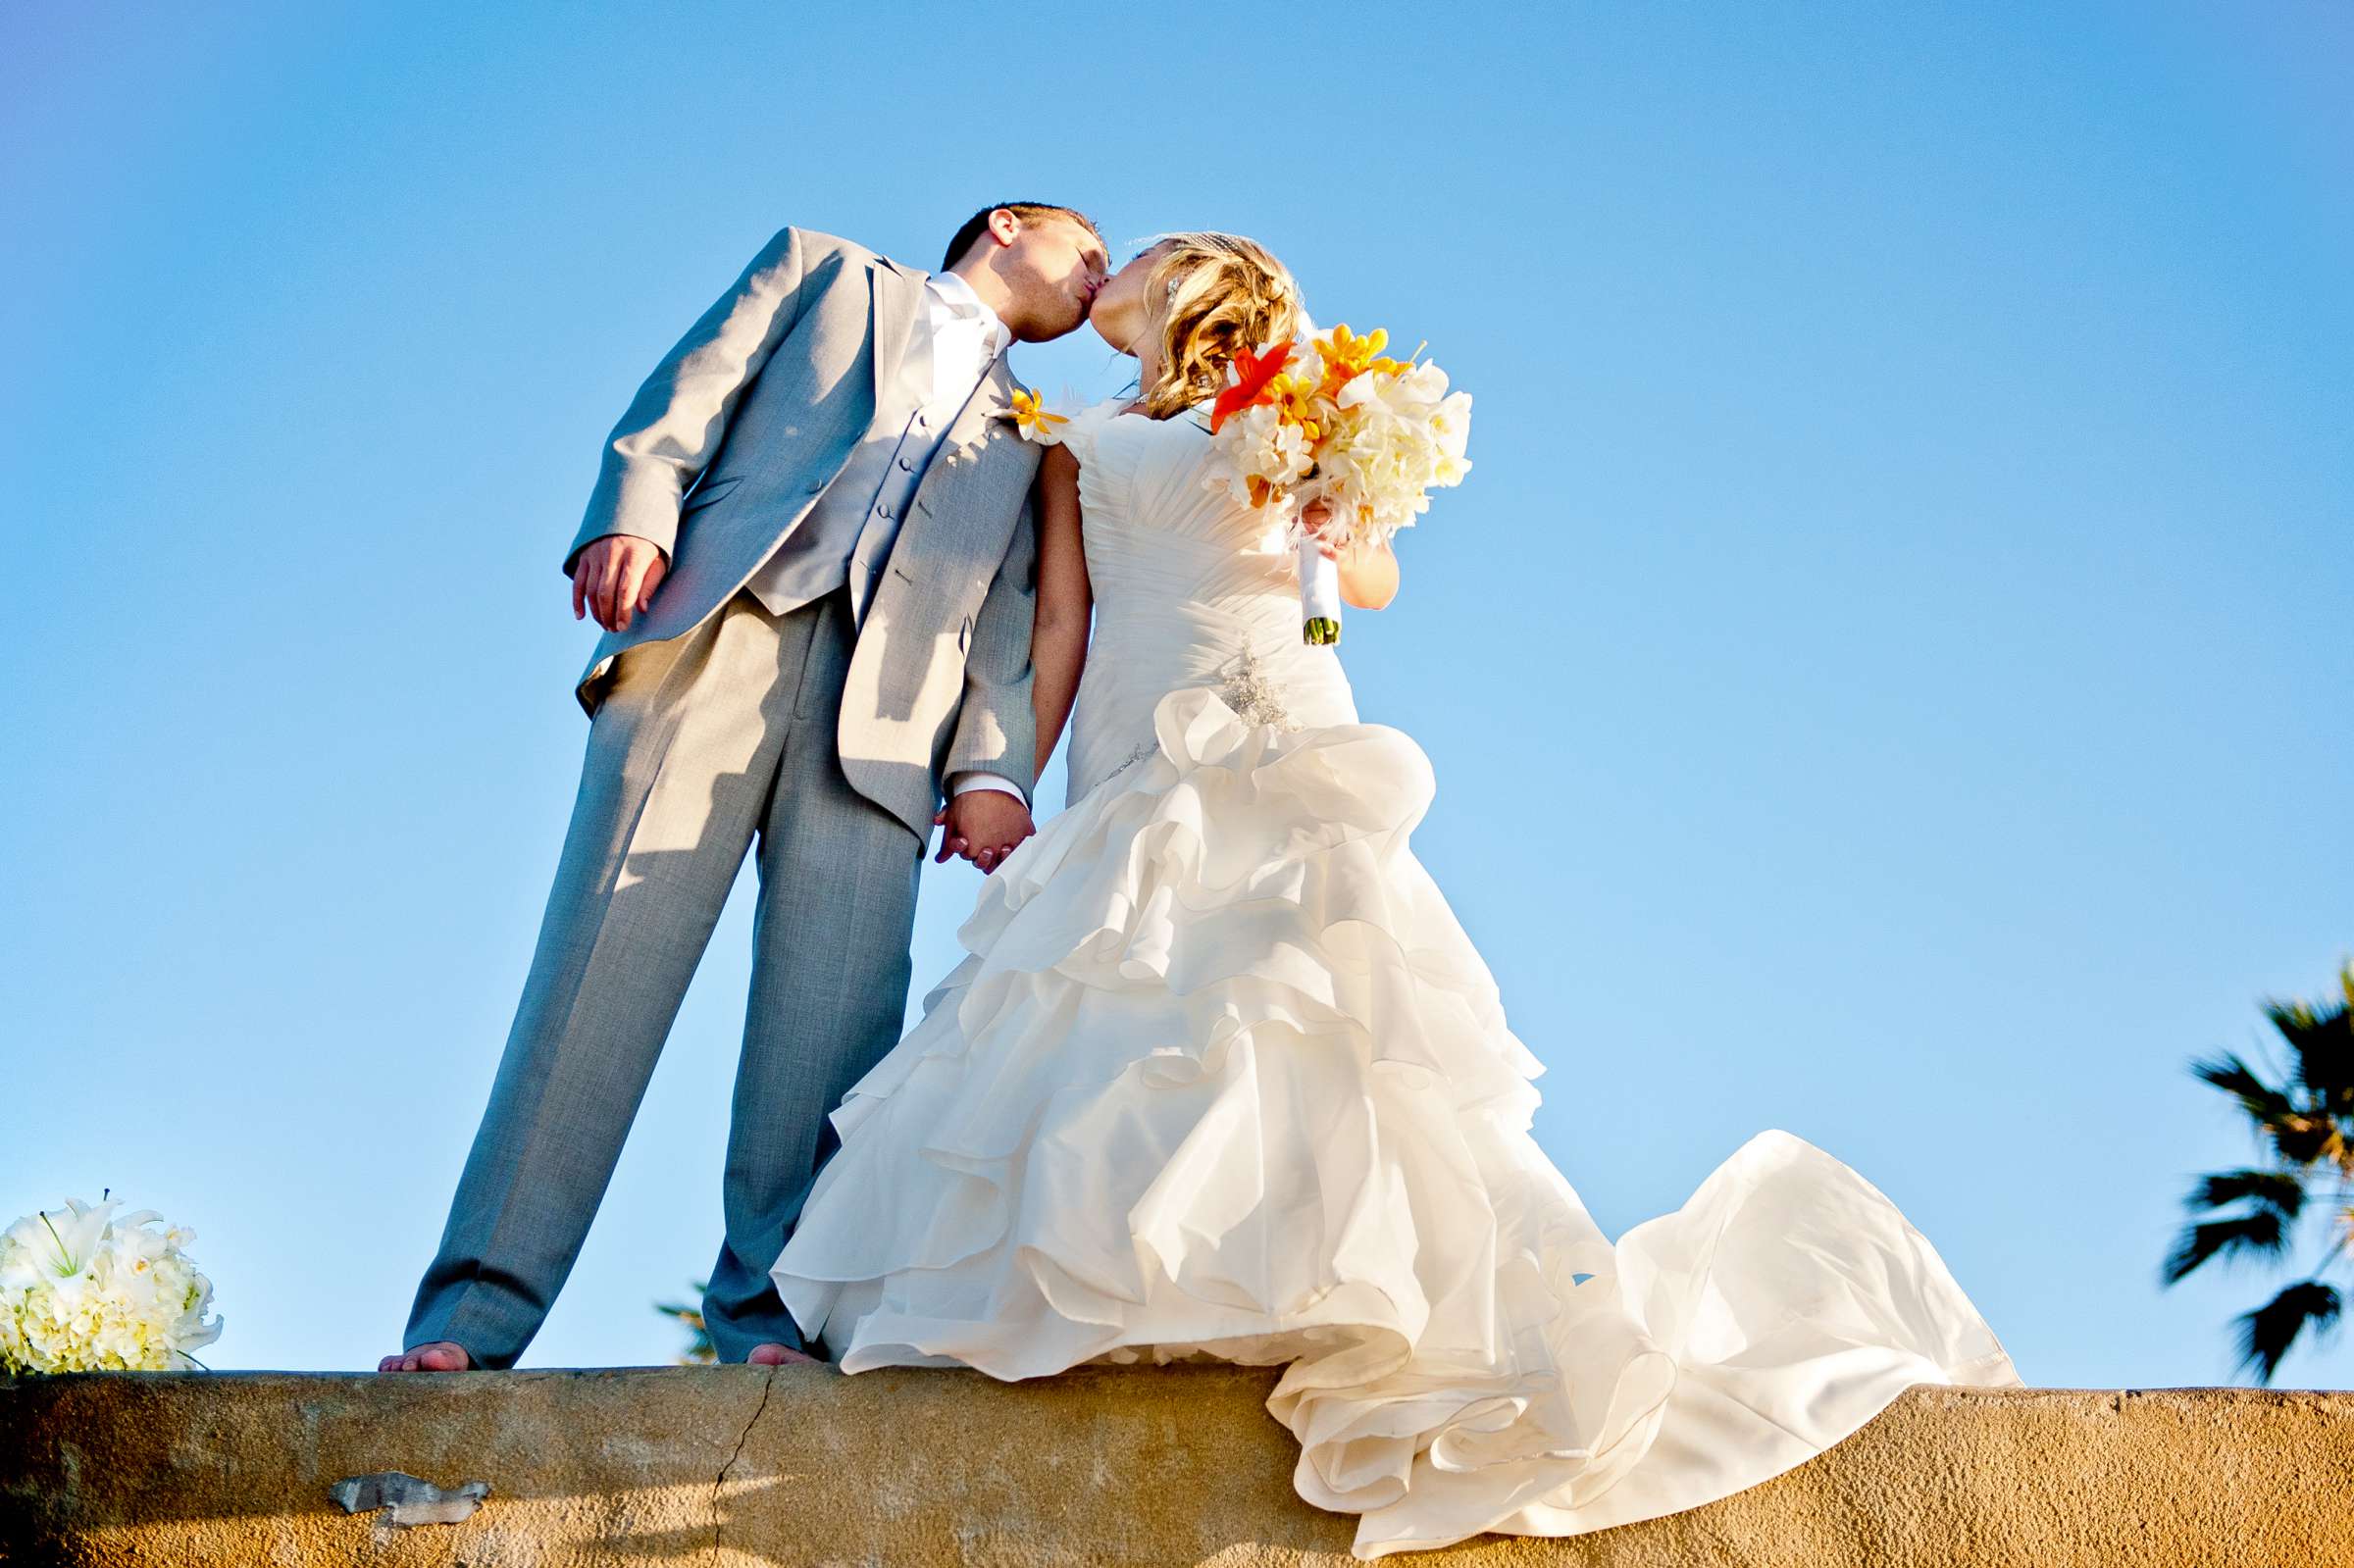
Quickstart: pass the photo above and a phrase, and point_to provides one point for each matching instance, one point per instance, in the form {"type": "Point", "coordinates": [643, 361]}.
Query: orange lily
{"type": "Point", "coordinates": [1253, 373]}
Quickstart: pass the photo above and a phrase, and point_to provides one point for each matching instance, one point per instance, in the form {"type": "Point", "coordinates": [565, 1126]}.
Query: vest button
{"type": "Point", "coordinates": [817, 487]}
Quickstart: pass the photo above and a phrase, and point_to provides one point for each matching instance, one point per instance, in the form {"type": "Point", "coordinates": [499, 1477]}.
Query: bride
{"type": "Point", "coordinates": [1221, 1076]}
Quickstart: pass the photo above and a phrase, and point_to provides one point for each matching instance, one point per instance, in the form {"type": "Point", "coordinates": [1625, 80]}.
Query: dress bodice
{"type": "Point", "coordinates": [1192, 587]}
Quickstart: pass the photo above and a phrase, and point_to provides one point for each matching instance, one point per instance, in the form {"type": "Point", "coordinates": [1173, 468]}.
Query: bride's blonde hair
{"type": "Point", "coordinates": [1211, 294]}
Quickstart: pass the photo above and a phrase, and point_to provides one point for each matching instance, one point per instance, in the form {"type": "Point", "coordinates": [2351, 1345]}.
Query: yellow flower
{"type": "Point", "coordinates": [1347, 356]}
{"type": "Point", "coordinates": [1295, 400]}
{"type": "Point", "coordinates": [1031, 418]}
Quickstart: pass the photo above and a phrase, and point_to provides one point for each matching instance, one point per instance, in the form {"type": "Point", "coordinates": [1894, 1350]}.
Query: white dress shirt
{"type": "Point", "coordinates": [848, 536]}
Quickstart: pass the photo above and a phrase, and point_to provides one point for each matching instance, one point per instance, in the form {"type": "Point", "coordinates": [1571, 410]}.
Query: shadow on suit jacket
{"type": "Point", "coordinates": [730, 441]}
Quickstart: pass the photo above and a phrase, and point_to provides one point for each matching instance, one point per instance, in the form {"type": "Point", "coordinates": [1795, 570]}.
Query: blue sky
{"type": "Point", "coordinates": [1887, 672]}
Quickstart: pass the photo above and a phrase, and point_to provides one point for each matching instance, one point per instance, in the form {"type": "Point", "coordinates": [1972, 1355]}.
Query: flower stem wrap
{"type": "Point", "coordinates": [1319, 594]}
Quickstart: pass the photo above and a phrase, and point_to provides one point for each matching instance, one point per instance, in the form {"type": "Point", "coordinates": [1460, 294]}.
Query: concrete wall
{"type": "Point", "coordinates": [743, 1465]}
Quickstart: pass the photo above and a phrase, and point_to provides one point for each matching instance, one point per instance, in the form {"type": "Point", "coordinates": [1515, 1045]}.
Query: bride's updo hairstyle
{"type": "Point", "coordinates": [1211, 294]}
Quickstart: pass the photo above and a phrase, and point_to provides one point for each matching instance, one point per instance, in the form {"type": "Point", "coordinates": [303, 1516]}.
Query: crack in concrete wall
{"type": "Point", "coordinates": [719, 1511]}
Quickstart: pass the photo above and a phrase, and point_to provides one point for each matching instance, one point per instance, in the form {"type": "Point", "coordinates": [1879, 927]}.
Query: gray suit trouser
{"type": "Point", "coordinates": [704, 746]}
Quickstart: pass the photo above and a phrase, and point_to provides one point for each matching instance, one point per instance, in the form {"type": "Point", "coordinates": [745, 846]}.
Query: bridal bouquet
{"type": "Point", "coordinates": [80, 1292]}
{"type": "Point", "coordinates": [1333, 420]}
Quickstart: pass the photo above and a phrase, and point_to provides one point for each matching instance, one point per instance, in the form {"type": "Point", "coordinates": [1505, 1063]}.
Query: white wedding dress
{"type": "Point", "coordinates": [1221, 1075]}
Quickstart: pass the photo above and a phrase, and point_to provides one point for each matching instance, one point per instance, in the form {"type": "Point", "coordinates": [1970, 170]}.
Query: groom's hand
{"type": "Point", "coordinates": [615, 578]}
{"type": "Point", "coordinates": [983, 825]}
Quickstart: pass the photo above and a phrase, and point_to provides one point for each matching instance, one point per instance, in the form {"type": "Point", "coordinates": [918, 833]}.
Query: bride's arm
{"type": "Point", "coordinates": [1368, 571]}
{"type": "Point", "coordinates": [1058, 631]}
{"type": "Point", "coordinates": [1368, 575]}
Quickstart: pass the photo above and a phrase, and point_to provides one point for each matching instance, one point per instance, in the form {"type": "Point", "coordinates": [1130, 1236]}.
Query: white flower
{"type": "Point", "coordinates": [1424, 384]}
{"type": "Point", "coordinates": [1255, 444]}
{"type": "Point", "coordinates": [1393, 439]}
{"type": "Point", "coordinates": [80, 1292]}
{"type": "Point", "coordinates": [1451, 424]}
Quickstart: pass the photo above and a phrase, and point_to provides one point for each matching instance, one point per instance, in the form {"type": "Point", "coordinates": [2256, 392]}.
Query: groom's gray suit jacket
{"type": "Point", "coordinates": [729, 444]}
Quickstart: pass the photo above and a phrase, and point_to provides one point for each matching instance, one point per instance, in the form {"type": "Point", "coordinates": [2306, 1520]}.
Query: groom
{"type": "Point", "coordinates": [810, 546]}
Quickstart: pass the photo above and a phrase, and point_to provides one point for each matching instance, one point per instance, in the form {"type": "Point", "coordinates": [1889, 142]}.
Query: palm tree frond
{"type": "Point", "coordinates": [700, 1349]}
{"type": "Point", "coordinates": [2267, 1334]}
{"type": "Point", "coordinates": [2282, 1190]}
{"type": "Point", "coordinates": [2306, 1118]}
{"type": "Point", "coordinates": [2243, 1083]}
{"type": "Point", "coordinates": [2322, 1040]}
{"type": "Point", "coordinates": [2307, 1139]}
{"type": "Point", "coordinates": [2259, 1231]}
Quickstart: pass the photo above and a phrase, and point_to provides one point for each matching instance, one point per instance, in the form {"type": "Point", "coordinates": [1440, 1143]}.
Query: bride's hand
{"type": "Point", "coordinates": [1368, 571]}
{"type": "Point", "coordinates": [1312, 517]}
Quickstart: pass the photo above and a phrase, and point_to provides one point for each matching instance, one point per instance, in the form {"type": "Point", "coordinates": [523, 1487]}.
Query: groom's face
{"type": "Point", "coordinates": [1119, 312]}
{"type": "Point", "coordinates": [1051, 268]}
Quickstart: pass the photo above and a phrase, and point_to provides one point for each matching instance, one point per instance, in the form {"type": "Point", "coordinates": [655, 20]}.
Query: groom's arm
{"type": "Point", "coordinates": [995, 730]}
{"type": "Point", "coordinates": [960, 783]}
{"type": "Point", "coordinates": [675, 423]}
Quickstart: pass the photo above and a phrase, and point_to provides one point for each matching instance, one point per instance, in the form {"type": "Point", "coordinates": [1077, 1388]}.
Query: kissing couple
{"type": "Point", "coordinates": [1219, 1075]}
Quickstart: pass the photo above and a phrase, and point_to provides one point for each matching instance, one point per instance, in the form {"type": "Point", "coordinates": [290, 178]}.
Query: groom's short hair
{"type": "Point", "coordinates": [1027, 211]}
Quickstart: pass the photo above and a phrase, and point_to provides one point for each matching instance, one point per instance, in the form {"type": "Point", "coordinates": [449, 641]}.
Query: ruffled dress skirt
{"type": "Point", "coordinates": [1221, 1076]}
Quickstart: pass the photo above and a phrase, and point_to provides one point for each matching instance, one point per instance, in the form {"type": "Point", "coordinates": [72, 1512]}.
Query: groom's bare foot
{"type": "Point", "coordinates": [443, 1355]}
{"type": "Point", "coordinates": [773, 1354]}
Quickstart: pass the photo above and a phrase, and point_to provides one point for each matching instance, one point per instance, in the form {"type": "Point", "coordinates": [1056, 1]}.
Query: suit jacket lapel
{"type": "Point", "coordinates": [894, 305]}
{"type": "Point", "coordinates": [972, 441]}
{"type": "Point", "coordinates": [991, 394]}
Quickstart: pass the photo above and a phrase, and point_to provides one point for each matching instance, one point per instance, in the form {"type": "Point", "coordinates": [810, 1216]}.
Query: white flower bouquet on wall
{"type": "Point", "coordinates": [81, 1291]}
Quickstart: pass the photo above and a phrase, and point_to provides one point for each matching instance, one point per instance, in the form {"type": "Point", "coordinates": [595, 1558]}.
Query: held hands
{"type": "Point", "coordinates": [615, 578]}
{"type": "Point", "coordinates": [990, 818]}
